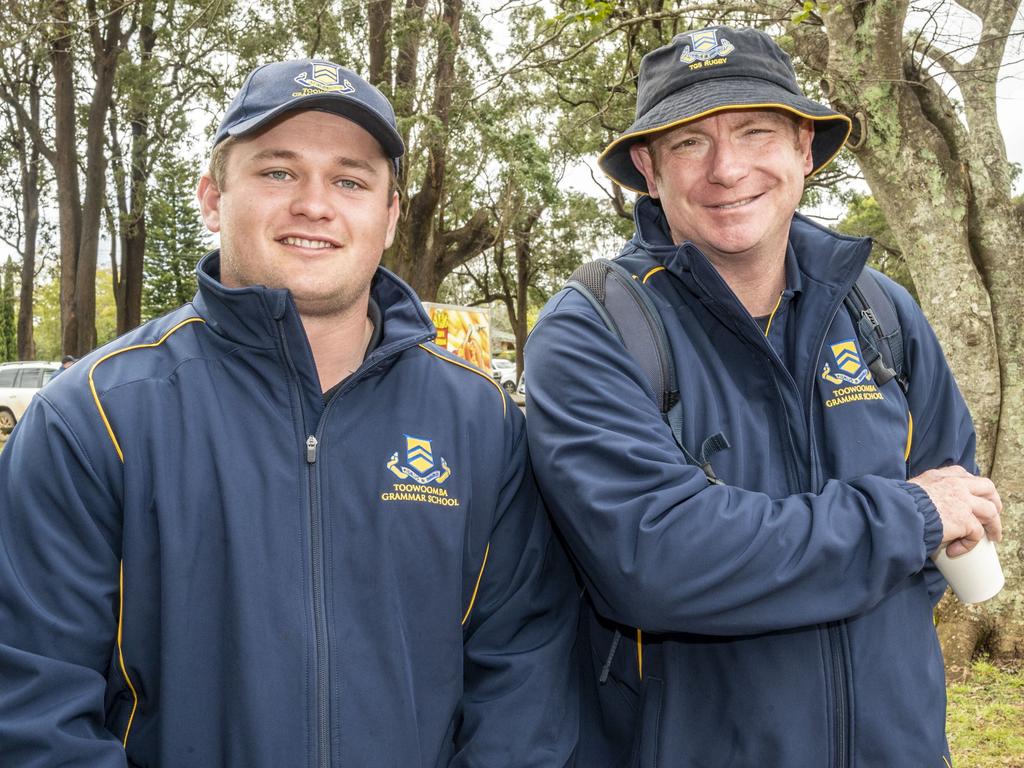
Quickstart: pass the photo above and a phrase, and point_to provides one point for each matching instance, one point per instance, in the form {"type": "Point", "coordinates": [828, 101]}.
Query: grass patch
{"type": "Point", "coordinates": [985, 718]}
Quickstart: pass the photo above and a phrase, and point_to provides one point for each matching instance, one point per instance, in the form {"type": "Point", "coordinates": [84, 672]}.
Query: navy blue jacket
{"type": "Point", "coordinates": [785, 617]}
{"type": "Point", "coordinates": [203, 564]}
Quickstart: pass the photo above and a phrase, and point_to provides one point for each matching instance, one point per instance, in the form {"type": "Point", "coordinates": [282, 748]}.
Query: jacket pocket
{"type": "Point", "coordinates": [645, 748]}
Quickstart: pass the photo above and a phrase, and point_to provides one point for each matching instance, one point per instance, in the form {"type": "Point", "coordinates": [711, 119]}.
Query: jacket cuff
{"type": "Point", "coordinates": [932, 521]}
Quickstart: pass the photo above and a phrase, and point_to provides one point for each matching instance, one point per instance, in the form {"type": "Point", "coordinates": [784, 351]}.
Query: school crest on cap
{"type": "Point", "coordinates": [325, 78]}
{"type": "Point", "coordinates": [704, 46]}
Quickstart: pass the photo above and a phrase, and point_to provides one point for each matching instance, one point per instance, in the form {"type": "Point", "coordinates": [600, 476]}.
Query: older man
{"type": "Point", "coordinates": [776, 609]}
{"type": "Point", "coordinates": [278, 526]}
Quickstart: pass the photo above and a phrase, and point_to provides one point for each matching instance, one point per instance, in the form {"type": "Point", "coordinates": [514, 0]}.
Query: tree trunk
{"type": "Point", "coordinates": [379, 21]}
{"type": "Point", "coordinates": [30, 216]}
{"type": "Point", "coordinates": [66, 169]}
{"type": "Point", "coordinates": [524, 255]}
{"type": "Point", "coordinates": [944, 188]}
{"type": "Point", "coordinates": [425, 249]}
{"type": "Point", "coordinates": [133, 248]}
{"type": "Point", "coordinates": [107, 47]}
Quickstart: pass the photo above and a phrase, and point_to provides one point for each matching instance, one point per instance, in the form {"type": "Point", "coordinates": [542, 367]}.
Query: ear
{"type": "Point", "coordinates": [208, 195]}
{"type": "Point", "coordinates": [806, 141]}
{"type": "Point", "coordinates": [393, 210]}
{"type": "Point", "coordinates": [640, 153]}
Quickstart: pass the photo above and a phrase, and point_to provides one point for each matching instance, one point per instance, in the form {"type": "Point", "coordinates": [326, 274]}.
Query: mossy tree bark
{"type": "Point", "coordinates": [940, 173]}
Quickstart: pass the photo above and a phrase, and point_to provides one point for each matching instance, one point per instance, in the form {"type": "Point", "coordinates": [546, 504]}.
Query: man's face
{"type": "Point", "coordinates": [731, 181]}
{"type": "Point", "coordinates": [304, 205]}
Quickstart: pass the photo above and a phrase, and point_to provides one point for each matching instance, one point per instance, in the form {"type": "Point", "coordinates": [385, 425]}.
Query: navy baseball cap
{"type": "Point", "coordinates": [275, 89]}
{"type": "Point", "coordinates": [711, 70]}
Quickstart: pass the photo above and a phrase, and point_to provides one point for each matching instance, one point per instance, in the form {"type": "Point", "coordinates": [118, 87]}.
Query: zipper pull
{"type": "Point", "coordinates": [311, 444]}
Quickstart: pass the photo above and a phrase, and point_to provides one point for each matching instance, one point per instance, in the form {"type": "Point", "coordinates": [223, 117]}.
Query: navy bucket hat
{"type": "Point", "coordinates": [275, 89]}
{"type": "Point", "coordinates": [711, 70]}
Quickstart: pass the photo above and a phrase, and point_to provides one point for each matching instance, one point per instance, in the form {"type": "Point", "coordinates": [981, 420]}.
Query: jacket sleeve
{"type": "Point", "coordinates": [943, 432]}
{"type": "Point", "coordinates": [59, 588]}
{"type": "Point", "coordinates": [519, 708]}
{"type": "Point", "coordinates": [660, 548]}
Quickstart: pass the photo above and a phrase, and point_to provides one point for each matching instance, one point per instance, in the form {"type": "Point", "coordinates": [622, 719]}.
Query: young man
{"type": "Point", "coordinates": [278, 526]}
{"type": "Point", "coordinates": [781, 616]}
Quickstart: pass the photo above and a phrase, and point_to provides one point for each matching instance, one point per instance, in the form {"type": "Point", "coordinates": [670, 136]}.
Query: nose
{"type": "Point", "coordinates": [728, 164]}
{"type": "Point", "coordinates": [312, 200]}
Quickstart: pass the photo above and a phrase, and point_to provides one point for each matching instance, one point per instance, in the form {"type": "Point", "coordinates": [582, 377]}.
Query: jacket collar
{"type": "Point", "coordinates": [250, 315]}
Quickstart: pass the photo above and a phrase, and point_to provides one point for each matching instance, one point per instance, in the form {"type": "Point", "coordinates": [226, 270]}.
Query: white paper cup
{"type": "Point", "coordinates": [974, 576]}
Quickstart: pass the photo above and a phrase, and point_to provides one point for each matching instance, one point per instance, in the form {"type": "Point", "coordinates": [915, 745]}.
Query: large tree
{"type": "Point", "coordinates": [936, 163]}
{"type": "Point", "coordinates": [105, 90]}
{"type": "Point", "coordinates": [168, 72]}
{"type": "Point", "coordinates": [23, 71]}
{"type": "Point", "coordinates": [96, 34]}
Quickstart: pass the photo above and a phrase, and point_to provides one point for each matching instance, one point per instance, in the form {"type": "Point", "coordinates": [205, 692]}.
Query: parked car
{"type": "Point", "coordinates": [18, 383]}
{"type": "Point", "coordinates": [521, 389]}
{"type": "Point", "coordinates": [504, 372]}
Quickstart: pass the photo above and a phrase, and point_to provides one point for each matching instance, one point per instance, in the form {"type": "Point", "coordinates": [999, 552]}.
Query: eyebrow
{"type": "Point", "coordinates": [766, 116]}
{"type": "Point", "coordinates": [342, 161]}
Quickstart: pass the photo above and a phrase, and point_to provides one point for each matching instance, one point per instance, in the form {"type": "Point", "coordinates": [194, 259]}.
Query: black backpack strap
{"type": "Point", "coordinates": [628, 312]}
{"type": "Point", "coordinates": [878, 330]}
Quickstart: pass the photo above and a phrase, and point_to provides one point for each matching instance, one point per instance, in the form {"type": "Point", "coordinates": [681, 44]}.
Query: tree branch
{"type": "Point", "coordinates": [469, 240]}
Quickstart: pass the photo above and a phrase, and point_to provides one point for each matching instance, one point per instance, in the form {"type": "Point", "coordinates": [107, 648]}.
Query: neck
{"type": "Point", "coordinates": [757, 282]}
{"type": "Point", "coordinates": [338, 342]}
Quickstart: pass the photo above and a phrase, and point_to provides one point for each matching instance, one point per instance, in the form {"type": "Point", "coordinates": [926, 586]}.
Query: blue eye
{"type": "Point", "coordinates": [277, 175]}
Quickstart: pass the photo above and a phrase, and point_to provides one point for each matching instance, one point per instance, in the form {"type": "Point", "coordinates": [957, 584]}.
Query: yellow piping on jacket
{"type": "Point", "coordinates": [92, 383]}
{"type": "Point", "coordinates": [479, 578]}
{"type": "Point", "coordinates": [120, 455]}
{"type": "Point", "coordinates": [471, 369]}
{"type": "Point", "coordinates": [640, 653]}
{"type": "Point", "coordinates": [651, 272]}
{"type": "Point", "coordinates": [910, 435]}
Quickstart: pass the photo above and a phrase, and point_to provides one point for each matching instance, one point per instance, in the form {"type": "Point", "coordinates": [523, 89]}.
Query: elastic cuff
{"type": "Point", "coordinates": [932, 521]}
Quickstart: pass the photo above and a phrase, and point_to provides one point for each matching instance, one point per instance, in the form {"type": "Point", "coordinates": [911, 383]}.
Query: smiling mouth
{"type": "Point", "coordinates": [302, 242]}
{"type": "Point", "coordinates": [738, 204]}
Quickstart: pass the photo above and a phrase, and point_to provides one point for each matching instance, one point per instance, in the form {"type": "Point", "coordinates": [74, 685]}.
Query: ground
{"type": "Point", "coordinates": [985, 718]}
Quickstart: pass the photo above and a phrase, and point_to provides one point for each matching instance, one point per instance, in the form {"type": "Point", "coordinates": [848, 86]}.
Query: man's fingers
{"type": "Point", "coordinates": [986, 489]}
{"type": "Point", "coordinates": [969, 506]}
{"type": "Point", "coordinates": [959, 547]}
{"type": "Point", "coordinates": [987, 514]}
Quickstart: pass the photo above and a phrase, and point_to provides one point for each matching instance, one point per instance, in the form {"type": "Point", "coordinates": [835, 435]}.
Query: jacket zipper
{"type": "Point", "coordinates": [835, 629]}
{"type": "Point", "coordinates": [319, 619]}
{"type": "Point", "coordinates": [839, 691]}
{"type": "Point", "coordinates": [316, 566]}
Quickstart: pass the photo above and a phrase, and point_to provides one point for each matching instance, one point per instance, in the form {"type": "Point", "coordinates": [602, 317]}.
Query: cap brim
{"type": "Point", "coordinates": [389, 139]}
{"type": "Point", "coordinates": [707, 97]}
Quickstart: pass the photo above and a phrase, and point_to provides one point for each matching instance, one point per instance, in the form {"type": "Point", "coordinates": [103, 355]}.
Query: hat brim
{"type": "Point", "coordinates": [389, 139]}
{"type": "Point", "coordinates": [705, 98]}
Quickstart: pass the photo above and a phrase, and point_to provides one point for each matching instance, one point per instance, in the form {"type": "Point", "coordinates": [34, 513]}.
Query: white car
{"type": "Point", "coordinates": [504, 372]}
{"type": "Point", "coordinates": [18, 383]}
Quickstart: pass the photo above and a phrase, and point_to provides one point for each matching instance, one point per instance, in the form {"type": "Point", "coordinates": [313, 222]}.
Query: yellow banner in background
{"type": "Point", "coordinates": [463, 331]}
